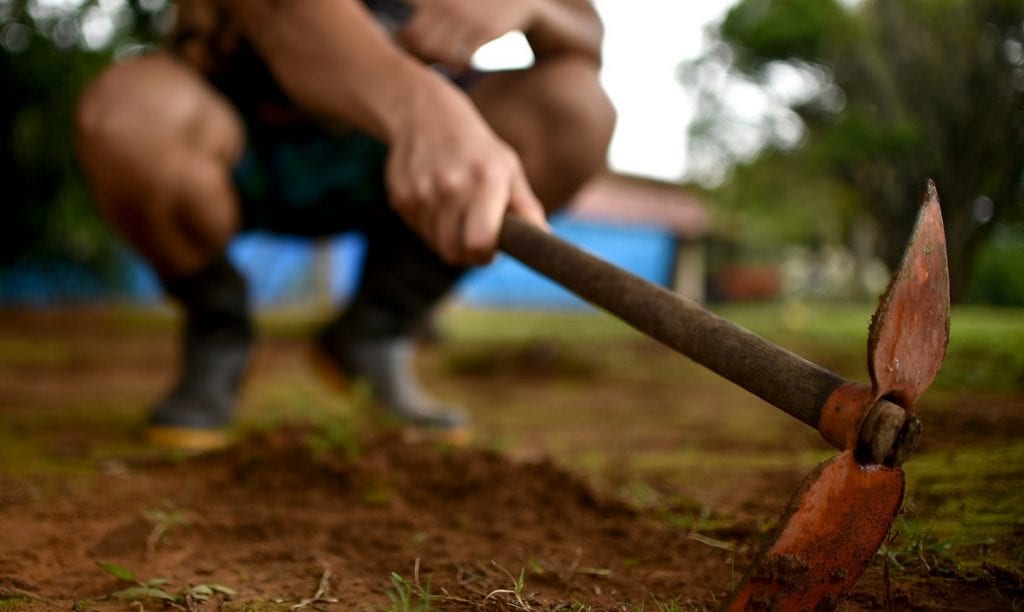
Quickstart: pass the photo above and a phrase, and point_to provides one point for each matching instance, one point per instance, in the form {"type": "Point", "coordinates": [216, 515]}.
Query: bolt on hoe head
{"type": "Point", "coordinates": [842, 512]}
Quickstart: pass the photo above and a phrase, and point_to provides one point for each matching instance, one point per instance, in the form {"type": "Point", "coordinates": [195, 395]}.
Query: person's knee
{"type": "Point", "coordinates": [120, 121]}
{"type": "Point", "coordinates": [107, 140]}
{"type": "Point", "coordinates": [157, 146]}
{"type": "Point", "coordinates": [158, 104]}
{"type": "Point", "coordinates": [576, 96]}
{"type": "Point", "coordinates": [99, 108]}
{"type": "Point", "coordinates": [594, 125]}
{"type": "Point", "coordinates": [579, 116]}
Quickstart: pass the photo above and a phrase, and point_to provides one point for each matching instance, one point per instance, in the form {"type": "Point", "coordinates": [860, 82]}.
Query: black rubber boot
{"type": "Point", "coordinates": [216, 340]}
{"type": "Point", "coordinates": [385, 364]}
{"type": "Point", "coordinates": [374, 340]}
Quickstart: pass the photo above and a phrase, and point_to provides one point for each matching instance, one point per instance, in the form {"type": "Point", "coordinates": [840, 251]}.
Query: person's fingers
{"type": "Point", "coordinates": [436, 34]}
{"type": "Point", "coordinates": [422, 199]}
{"type": "Point", "coordinates": [523, 202]}
{"type": "Point", "coordinates": [449, 220]}
{"type": "Point", "coordinates": [483, 220]}
{"type": "Point", "coordinates": [402, 198]}
{"type": "Point", "coordinates": [425, 33]}
{"type": "Point", "coordinates": [438, 37]}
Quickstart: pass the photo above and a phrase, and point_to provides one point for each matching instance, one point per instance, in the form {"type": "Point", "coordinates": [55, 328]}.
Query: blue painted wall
{"type": "Point", "coordinates": [281, 271]}
{"type": "Point", "coordinates": [646, 251]}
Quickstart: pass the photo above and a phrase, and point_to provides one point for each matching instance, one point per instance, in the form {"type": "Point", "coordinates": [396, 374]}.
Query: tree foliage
{"type": "Point", "coordinates": [894, 92]}
{"type": "Point", "coordinates": [47, 55]}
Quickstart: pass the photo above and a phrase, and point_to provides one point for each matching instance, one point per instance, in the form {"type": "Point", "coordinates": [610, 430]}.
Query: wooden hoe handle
{"type": "Point", "coordinates": [842, 512]}
{"type": "Point", "coordinates": [767, 370]}
{"type": "Point", "coordinates": [787, 381]}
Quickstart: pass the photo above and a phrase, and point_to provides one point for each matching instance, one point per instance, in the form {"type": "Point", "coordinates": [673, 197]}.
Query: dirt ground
{"type": "Point", "coordinates": [605, 474]}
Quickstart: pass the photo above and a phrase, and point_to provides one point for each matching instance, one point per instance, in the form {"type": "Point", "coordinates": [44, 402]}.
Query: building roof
{"type": "Point", "coordinates": [620, 198]}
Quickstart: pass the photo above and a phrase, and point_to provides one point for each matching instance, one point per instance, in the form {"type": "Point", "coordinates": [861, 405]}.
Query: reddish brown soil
{"type": "Point", "coordinates": [270, 518]}
{"type": "Point", "coordinates": [278, 516]}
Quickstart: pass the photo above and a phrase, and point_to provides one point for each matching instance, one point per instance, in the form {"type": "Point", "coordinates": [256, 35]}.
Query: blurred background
{"type": "Point", "coordinates": [769, 160]}
{"type": "Point", "coordinates": [764, 150]}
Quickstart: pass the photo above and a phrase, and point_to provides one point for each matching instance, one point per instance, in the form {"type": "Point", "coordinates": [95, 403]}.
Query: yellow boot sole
{"type": "Point", "coordinates": [189, 439]}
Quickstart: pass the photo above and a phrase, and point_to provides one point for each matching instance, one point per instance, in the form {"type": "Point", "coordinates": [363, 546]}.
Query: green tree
{"type": "Point", "coordinates": [894, 92]}
{"type": "Point", "coordinates": [48, 52]}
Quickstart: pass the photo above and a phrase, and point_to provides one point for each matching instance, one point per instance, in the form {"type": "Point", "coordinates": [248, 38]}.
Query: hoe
{"type": "Point", "coordinates": [841, 514]}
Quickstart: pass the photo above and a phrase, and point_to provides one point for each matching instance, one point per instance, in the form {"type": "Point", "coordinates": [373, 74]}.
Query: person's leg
{"type": "Point", "coordinates": [157, 145]}
{"type": "Point", "coordinates": [374, 338]}
{"type": "Point", "coordinates": [559, 120]}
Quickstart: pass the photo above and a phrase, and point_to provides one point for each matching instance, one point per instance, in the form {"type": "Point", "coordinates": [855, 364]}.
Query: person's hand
{"type": "Point", "coordinates": [450, 31]}
{"type": "Point", "coordinates": [452, 179]}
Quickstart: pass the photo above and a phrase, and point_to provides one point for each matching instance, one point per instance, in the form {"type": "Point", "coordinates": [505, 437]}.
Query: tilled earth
{"type": "Point", "coordinates": [270, 517]}
{"type": "Point", "coordinates": [315, 517]}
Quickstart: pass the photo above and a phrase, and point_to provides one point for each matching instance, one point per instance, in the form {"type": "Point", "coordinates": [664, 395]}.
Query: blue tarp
{"type": "Point", "coordinates": [645, 251]}
{"type": "Point", "coordinates": [283, 270]}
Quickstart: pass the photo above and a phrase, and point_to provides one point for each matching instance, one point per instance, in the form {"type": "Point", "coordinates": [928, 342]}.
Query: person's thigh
{"type": "Point", "coordinates": [157, 144]}
{"type": "Point", "coordinates": [557, 118]}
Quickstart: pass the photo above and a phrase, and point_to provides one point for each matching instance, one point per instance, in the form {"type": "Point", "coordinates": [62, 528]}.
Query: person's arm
{"type": "Point", "coordinates": [566, 26]}
{"type": "Point", "coordinates": [333, 60]}
{"type": "Point", "coordinates": [449, 176]}
{"type": "Point", "coordinates": [450, 31]}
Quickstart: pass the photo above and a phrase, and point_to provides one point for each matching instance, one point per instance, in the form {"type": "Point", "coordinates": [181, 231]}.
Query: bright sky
{"type": "Point", "coordinates": [645, 41]}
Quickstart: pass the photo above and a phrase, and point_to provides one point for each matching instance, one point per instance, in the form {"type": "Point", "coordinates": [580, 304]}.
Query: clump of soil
{"type": "Point", "coordinates": [270, 516]}
{"type": "Point", "coordinates": [292, 516]}
{"type": "Point", "coordinates": [296, 515]}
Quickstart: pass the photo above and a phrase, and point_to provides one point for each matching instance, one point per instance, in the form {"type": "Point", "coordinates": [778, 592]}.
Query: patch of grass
{"type": "Point", "coordinates": [140, 589]}
{"type": "Point", "coordinates": [296, 323]}
{"type": "Point", "coordinates": [974, 494]}
{"type": "Point", "coordinates": [741, 463]}
{"type": "Point", "coordinates": [164, 519]}
{"type": "Point", "coordinates": [534, 358]}
{"type": "Point", "coordinates": [464, 324]}
{"type": "Point", "coordinates": [377, 494]}
{"type": "Point", "coordinates": [204, 592]}
{"type": "Point", "coordinates": [320, 596]}
{"type": "Point", "coordinates": [962, 512]}
{"type": "Point", "coordinates": [255, 606]}
{"type": "Point", "coordinates": [958, 500]}
{"type": "Point", "coordinates": [912, 544]}
{"type": "Point", "coordinates": [516, 600]}
{"type": "Point", "coordinates": [986, 349]}
{"type": "Point", "coordinates": [535, 566]}
{"type": "Point", "coordinates": [985, 353]}
{"type": "Point", "coordinates": [153, 588]}
{"type": "Point", "coordinates": [409, 595]}
{"type": "Point", "coordinates": [338, 436]}
{"type": "Point", "coordinates": [963, 498]}
{"type": "Point", "coordinates": [34, 353]}
{"type": "Point", "coordinates": [80, 438]}
{"type": "Point", "coordinates": [297, 396]}
{"type": "Point", "coordinates": [675, 604]}
{"type": "Point", "coordinates": [682, 513]}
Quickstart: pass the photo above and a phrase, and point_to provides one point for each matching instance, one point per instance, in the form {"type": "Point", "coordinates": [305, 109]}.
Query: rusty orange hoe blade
{"type": "Point", "coordinates": [833, 527]}
{"type": "Point", "coordinates": [910, 329]}
{"type": "Point", "coordinates": [843, 511]}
